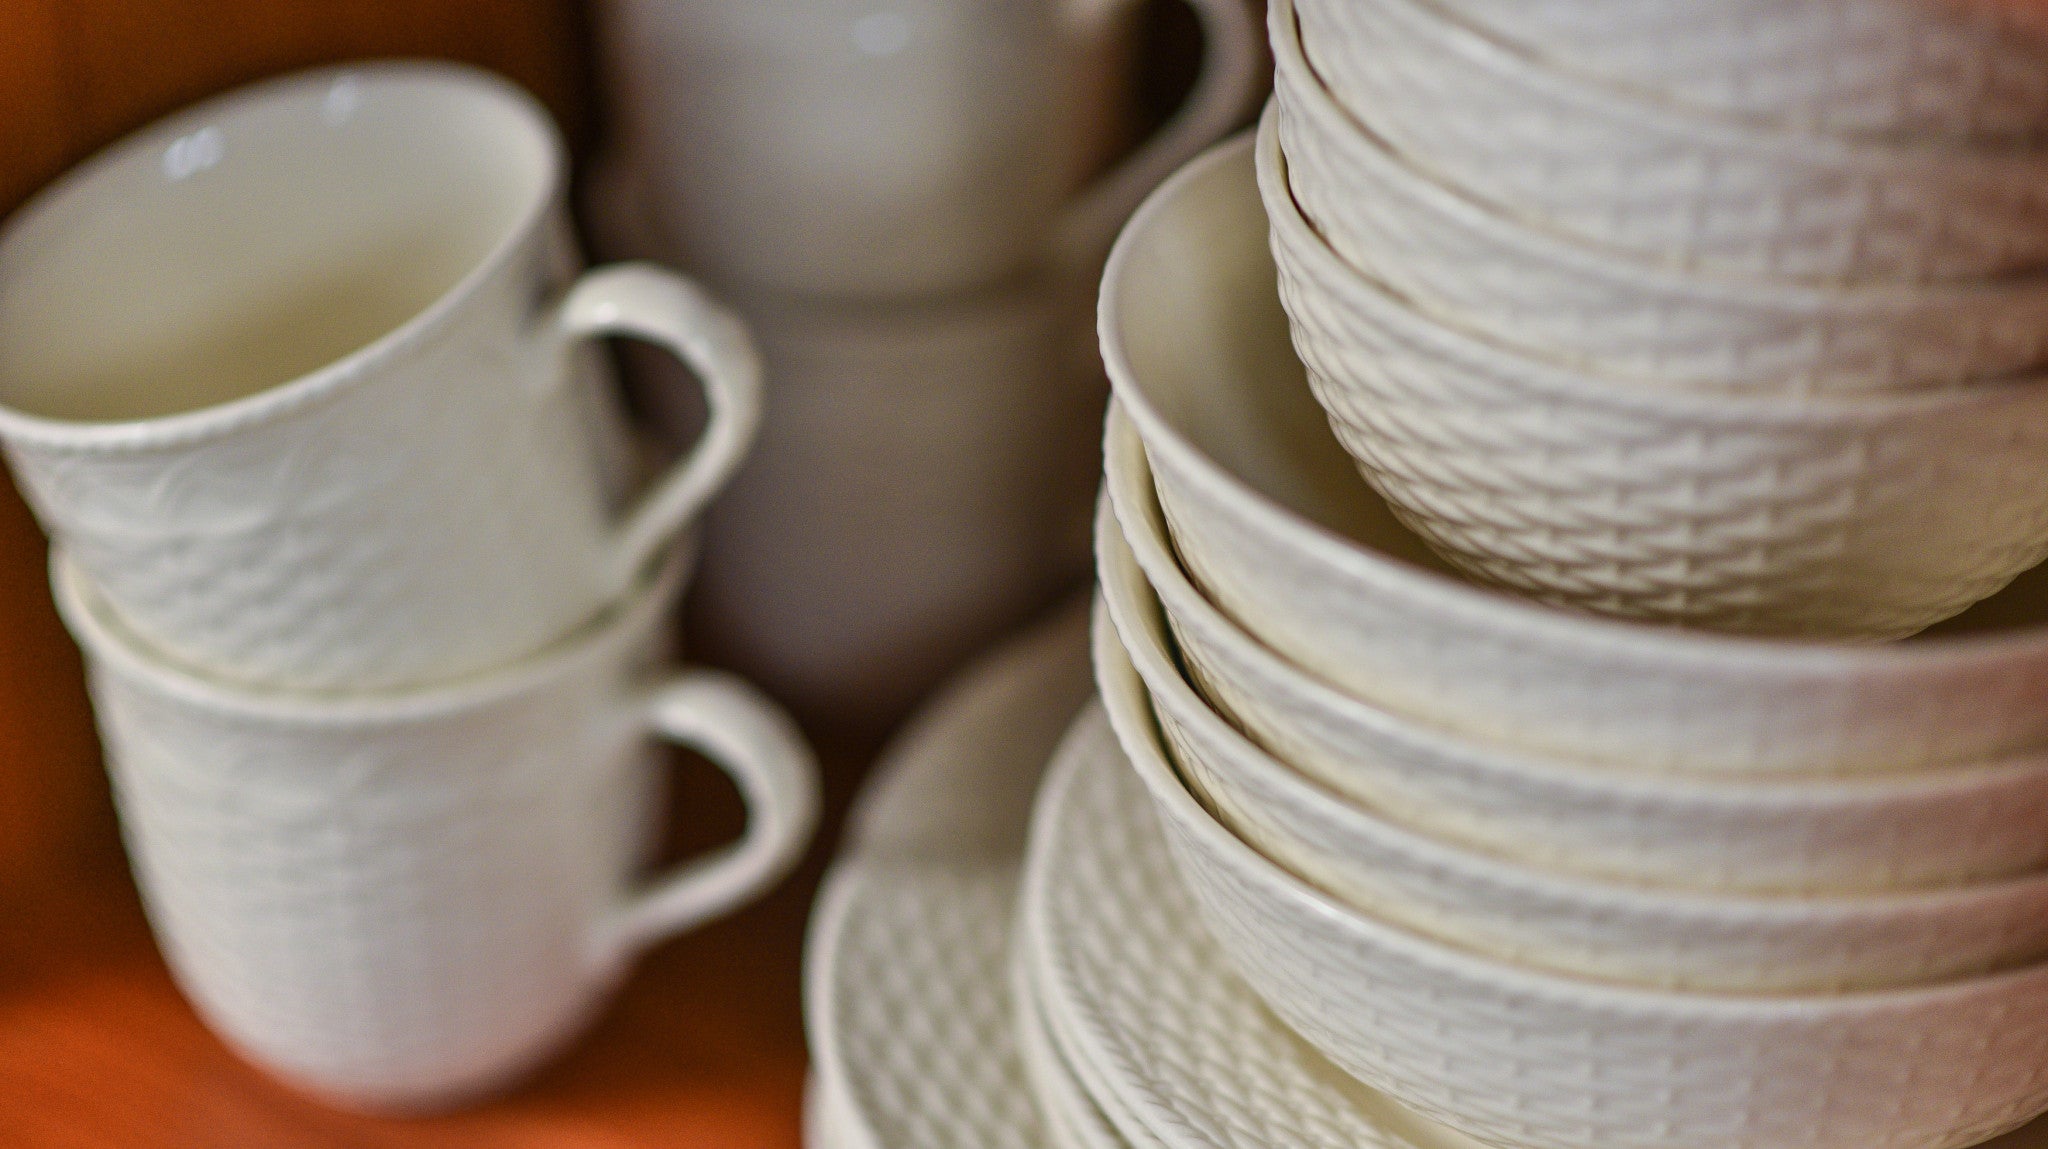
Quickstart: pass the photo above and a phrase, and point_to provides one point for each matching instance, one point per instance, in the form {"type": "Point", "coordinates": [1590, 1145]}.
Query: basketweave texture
{"type": "Point", "coordinates": [1601, 309]}
{"type": "Point", "coordinates": [1618, 931]}
{"type": "Point", "coordinates": [371, 919]}
{"type": "Point", "coordinates": [1768, 515]}
{"type": "Point", "coordinates": [1274, 524]}
{"type": "Point", "coordinates": [1877, 66]}
{"type": "Point", "coordinates": [1071, 1112]}
{"type": "Point", "coordinates": [922, 1023]}
{"type": "Point", "coordinates": [1539, 1061]}
{"type": "Point", "coordinates": [372, 538]}
{"type": "Point", "coordinates": [1536, 916]}
{"type": "Point", "coordinates": [1140, 999]}
{"type": "Point", "coordinates": [392, 902]}
{"type": "Point", "coordinates": [1622, 169]}
{"type": "Point", "coordinates": [907, 998]}
{"type": "Point", "coordinates": [1778, 835]}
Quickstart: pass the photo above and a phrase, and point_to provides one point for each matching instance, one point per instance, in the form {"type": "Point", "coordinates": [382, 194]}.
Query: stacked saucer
{"type": "Point", "coordinates": [1540, 878]}
{"type": "Point", "coordinates": [906, 991]}
{"type": "Point", "coordinates": [1637, 356]}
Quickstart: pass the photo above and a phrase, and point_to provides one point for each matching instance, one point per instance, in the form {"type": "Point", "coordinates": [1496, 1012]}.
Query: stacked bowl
{"type": "Point", "coordinates": [1721, 356]}
{"type": "Point", "coordinates": [1548, 878]}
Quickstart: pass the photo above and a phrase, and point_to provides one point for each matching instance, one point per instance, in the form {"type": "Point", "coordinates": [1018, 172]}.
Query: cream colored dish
{"type": "Point", "coordinates": [1536, 1060]}
{"type": "Point", "coordinates": [1831, 516]}
{"type": "Point", "coordinates": [1571, 923]}
{"type": "Point", "coordinates": [1624, 168]}
{"type": "Point", "coordinates": [1876, 832]}
{"type": "Point", "coordinates": [1274, 524]}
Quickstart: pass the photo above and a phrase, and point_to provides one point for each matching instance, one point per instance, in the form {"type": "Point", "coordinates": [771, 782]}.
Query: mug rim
{"type": "Point", "coordinates": [306, 388]}
{"type": "Point", "coordinates": [1438, 598]}
{"type": "Point", "coordinates": [108, 644]}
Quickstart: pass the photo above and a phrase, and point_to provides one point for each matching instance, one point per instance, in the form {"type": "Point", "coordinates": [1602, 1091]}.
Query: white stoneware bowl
{"type": "Point", "coordinates": [1525, 1058]}
{"type": "Point", "coordinates": [1881, 832]}
{"type": "Point", "coordinates": [1850, 66]}
{"type": "Point", "coordinates": [1567, 922]}
{"type": "Point", "coordinates": [1273, 522]}
{"type": "Point", "coordinates": [1619, 167]}
{"type": "Point", "coordinates": [1554, 294]}
{"type": "Point", "coordinates": [1831, 516]}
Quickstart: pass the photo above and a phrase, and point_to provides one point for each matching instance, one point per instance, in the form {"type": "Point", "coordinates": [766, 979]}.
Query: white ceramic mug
{"type": "Point", "coordinates": [891, 148]}
{"type": "Point", "coordinates": [405, 901]}
{"type": "Point", "coordinates": [920, 488]}
{"type": "Point", "coordinates": [300, 379]}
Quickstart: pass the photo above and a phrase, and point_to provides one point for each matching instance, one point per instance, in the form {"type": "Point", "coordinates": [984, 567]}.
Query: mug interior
{"type": "Point", "coordinates": [261, 236]}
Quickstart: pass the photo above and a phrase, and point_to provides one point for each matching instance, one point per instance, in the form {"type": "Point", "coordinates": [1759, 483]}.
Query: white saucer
{"type": "Point", "coordinates": [1177, 1050]}
{"type": "Point", "coordinates": [828, 1123]}
{"type": "Point", "coordinates": [1070, 1113]}
{"type": "Point", "coordinates": [906, 994]}
{"type": "Point", "coordinates": [1145, 1006]}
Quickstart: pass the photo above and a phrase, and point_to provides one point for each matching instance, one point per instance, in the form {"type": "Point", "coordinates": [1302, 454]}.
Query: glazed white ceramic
{"type": "Point", "coordinates": [1520, 1057]}
{"type": "Point", "coordinates": [909, 148]}
{"type": "Point", "coordinates": [1887, 831]}
{"type": "Point", "coordinates": [1631, 170]}
{"type": "Point", "coordinates": [1507, 908]}
{"type": "Point", "coordinates": [1830, 517]}
{"type": "Point", "coordinates": [907, 1004]}
{"type": "Point", "coordinates": [826, 1121]}
{"type": "Point", "coordinates": [409, 899]}
{"type": "Point", "coordinates": [1133, 987]}
{"type": "Point", "coordinates": [1273, 522]}
{"type": "Point", "coordinates": [1878, 66]}
{"type": "Point", "coordinates": [1002, 714]}
{"type": "Point", "coordinates": [294, 378]}
{"type": "Point", "coordinates": [1069, 1112]}
{"type": "Point", "coordinates": [919, 488]}
{"type": "Point", "coordinates": [1554, 295]}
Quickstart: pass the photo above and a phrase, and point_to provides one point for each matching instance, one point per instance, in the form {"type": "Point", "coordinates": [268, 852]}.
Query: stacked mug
{"type": "Point", "coordinates": [1546, 878]}
{"type": "Point", "coordinates": [301, 384]}
{"type": "Point", "coordinates": [1707, 313]}
{"type": "Point", "coordinates": [910, 202]}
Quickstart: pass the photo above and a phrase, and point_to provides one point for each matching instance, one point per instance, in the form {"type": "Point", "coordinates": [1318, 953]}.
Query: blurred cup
{"type": "Point", "coordinates": [301, 380]}
{"type": "Point", "coordinates": [920, 488]}
{"type": "Point", "coordinates": [406, 900]}
{"type": "Point", "coordinates": [892, 149]}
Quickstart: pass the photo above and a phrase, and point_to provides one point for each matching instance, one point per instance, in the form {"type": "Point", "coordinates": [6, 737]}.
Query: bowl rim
{"type": "Point", "coordinates": [1182, 705]}
{"type": "Point", "coordinates": [1298, 245]}
{"type": "Point", "coordinates": [1123, 694]}
{"type": "Point", "coordinates": [1503, 57]}
{"type": "Point", "coordinates": [1440, 596]}
{"type": "Point", "coordinates": [1127, 477]}
{"type": "Point", "coordinates": [1296, 82]}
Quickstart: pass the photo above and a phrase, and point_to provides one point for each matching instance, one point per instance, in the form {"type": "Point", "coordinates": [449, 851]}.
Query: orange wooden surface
{"type": "Point", "coordinates": [97, 1048]}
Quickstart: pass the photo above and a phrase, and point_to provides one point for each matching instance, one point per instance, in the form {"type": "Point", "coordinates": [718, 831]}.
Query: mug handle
{"type": "Point", "coordinates": [1233, 62]}
{"type": "Point", "coordinates": [644, 301]}
{"type": "Point", "coordinates": [760, 749]}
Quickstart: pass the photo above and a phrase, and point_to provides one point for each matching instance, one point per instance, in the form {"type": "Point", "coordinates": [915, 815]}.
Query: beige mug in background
{"type": "Point", "coordinates": [893, 150]}
{"type": "Point", "coordinates": [404, 901]}
{"type": "Point", "coordinates": [918, 490]}
{"type": "Point", "coordinates": [300, 380]}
